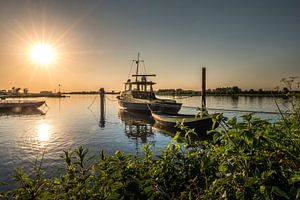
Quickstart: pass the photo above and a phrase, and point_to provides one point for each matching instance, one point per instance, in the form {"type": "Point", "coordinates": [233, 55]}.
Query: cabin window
{"type": "Point", "coordinates": [127, 87]}
{"type": "Point", "coordinates": [135, 87]}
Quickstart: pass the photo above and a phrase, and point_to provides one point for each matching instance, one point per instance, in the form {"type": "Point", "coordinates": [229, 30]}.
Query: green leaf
{"type": "Point", "coordinates": [57, 181]}
{"type": "Point", "coordinates": [247, 117]}
{"type": "Point", "coordinates": [2, 183]}
{"type": "Point", "coordinates": [251, 181]}
{"type": "Point", "coordinates": [212, 131]}
{"type": "Point", "coordinates": [175, 138]}
{"type": "Point", "coordinates": [118, 153]}
{"type": "Point", "coordinates": [266, 174]}
{"type": "Point", "coordinates": [148, 189]}
{"type": "Point", "coordinates": [276, 190]}
{"type": "Point", "coordinates": [216, 137]}
{"type": "Point", "coordinates": [232, 121]}
{"type": "Point", "coordinates": [294, 179]}
{"type": "Point", "coordinates": [223, 168]}
{"type": "Point", "coordinates": [262, 189]}
{"type": "Point", "coordinates": [249, 137]}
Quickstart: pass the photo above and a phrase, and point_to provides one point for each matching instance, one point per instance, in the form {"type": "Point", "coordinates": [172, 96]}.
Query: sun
{"type": "Point", "coordinates": [42, 54]}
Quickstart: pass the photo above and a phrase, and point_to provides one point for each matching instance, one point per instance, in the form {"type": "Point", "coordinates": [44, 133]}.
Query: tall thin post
{"type": "Point", "coordinates": [102, 111]}
{"type": "Point", "coordinates": [203, 94]}
{"type": "Point", "coordinates": [59, 88]}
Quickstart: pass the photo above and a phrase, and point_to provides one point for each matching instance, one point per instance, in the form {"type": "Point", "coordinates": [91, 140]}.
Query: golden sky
{"type": "Point", "coordinates": [251, 45]}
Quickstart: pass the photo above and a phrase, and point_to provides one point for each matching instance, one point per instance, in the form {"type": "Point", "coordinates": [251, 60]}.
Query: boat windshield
{"type": "Point", "coordinates": [143, 95]}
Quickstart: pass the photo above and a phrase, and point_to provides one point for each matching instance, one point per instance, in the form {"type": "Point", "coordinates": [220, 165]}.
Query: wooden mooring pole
{"type": "Point", "coordinates": [102, 108]}
{"type": "Point", "coordinates": [203, 93]}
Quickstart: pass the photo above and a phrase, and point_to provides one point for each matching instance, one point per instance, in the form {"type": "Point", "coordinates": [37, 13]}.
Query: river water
{"type": "Point", "coordinates": [69, 123]}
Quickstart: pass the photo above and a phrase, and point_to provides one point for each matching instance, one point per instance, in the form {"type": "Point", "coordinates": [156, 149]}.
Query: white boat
{"type": "Point", "coordinates": [138, 95]}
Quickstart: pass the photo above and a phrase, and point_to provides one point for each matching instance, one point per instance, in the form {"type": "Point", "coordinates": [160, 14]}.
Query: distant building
{"type": "Point", "coordinates": [45, 92]}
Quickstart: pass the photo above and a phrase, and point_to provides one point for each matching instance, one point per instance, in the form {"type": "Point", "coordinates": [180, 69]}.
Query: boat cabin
{"type": "Point", "coordinates": [141, 88]}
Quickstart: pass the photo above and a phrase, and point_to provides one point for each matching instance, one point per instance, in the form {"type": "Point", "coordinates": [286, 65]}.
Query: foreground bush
{"type": "Point", "coordinates": [252, 159]}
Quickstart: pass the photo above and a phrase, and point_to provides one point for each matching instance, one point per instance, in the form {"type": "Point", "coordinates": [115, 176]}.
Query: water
{"type": "Point", "coordinates": [69, 123]}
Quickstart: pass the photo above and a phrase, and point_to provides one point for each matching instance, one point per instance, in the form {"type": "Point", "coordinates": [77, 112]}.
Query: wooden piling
{"type": "Point", "coordinates": [203, 94]}
{"type": "Point", "coordinates": [102, 108]}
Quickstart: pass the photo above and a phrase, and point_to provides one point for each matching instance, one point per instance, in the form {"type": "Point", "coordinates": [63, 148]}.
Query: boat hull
{"type": "Point", "coordinates": [19, 105]}
{"type": "Point", "coordinates": [145, 107]}
{"type": "Point", "coordinates": [191, 121]}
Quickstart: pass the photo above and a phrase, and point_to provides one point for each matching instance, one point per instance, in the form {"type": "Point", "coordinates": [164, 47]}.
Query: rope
{"type": "Point", "coordinates": [248, 111]}
{"type": "Point", "coordinates": [93, 101]}
{"type": "Point", "coordinates": [233, 110]}
{"type": "Point", "coordinates": [110, 98]}
{"type": "Point", "coordinates": [95, 117]}
{"type": "Point", "coordinates": [130, 69]}
{"type": "Point", "coordinates": [144, 67]}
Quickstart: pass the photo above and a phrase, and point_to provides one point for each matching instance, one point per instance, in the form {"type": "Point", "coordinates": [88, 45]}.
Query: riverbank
{"type": "Point", "coordinates": [32, 95]}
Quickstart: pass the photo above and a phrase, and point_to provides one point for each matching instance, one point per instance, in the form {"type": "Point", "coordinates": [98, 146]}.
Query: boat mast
{"type": "Point", "coordinates": [137, 66]}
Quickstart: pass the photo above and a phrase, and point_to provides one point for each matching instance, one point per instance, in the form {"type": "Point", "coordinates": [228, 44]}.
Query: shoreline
{"type": "Point", "coordinates": [32, 95]}
{"type": "Point", "coordinates": [228, 95]}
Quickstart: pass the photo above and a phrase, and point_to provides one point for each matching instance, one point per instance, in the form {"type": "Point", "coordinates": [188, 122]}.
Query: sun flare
{"type": "Point", "coordinates": [43, 132]}
{"type": "Point", "coordinates": [42, 54]}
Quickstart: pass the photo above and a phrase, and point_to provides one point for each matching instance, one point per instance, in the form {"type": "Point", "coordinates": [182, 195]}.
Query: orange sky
{"type": "Point", "coordinates": [96, 41]}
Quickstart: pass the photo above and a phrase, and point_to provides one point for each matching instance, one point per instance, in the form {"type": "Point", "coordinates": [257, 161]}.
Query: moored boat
{"type": "Point", "coordinates": [197, 122]}
{"type": "Point", "coordinates": [139, 96]}
{"type": "Point", "coordinates": [19, 104]}
{"type": "Point", "coordinates": [200, 122]}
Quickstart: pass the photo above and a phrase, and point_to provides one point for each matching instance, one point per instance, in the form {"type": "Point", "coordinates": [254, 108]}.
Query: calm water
{"type": "Point", "coordinates": [69, 123]}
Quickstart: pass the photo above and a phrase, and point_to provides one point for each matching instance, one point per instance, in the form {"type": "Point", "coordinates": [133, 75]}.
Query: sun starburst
{"type": "Point", "coordinates": [42, 54]}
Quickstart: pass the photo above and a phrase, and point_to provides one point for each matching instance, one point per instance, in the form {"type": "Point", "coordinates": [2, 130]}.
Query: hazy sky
{"type": "Point", "coordinates": [252, 44]}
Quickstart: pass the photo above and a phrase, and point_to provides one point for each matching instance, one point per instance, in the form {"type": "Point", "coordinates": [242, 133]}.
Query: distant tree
{"type": "Point", "coordinates": [236, 90]}
{"type": "Point", "coordinates": [179, 91]}
{"type": "Point", "coordinates": [251, 91]}
{"type": "Point", "coordinates": [18, 90]}
{"type": "Point", "coordinates": [15, 90]}
{"type": "Point", "coordinates": [25, 90]}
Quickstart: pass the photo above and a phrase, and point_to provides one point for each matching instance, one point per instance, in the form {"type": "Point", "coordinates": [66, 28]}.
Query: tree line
{"type": "Point", "coordinates": [234, 90]}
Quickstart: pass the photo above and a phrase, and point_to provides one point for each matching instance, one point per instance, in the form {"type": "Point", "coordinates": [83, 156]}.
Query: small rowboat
{"type": "Point", "coordinates": [19, 104]}
{"type": "Point", "coordinates": [192, 121]}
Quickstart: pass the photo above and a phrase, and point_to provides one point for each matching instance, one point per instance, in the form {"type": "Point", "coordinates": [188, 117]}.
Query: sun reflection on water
{"type": "Point", "coordinates": [43, 132]}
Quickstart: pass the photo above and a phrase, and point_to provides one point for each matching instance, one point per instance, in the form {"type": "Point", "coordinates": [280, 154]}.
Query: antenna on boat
{"type": "Point", "coordinates": [137, 66]}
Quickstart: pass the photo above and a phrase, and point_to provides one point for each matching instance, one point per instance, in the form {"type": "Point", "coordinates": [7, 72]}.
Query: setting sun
{"type": "Point", "coordinates": [42, 53]}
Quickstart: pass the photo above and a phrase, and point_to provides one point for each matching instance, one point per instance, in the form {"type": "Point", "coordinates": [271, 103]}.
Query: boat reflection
{"type": "Point", "coordinates": [19, 112]}
{"type": "Point", "coordinates": [138, 126]}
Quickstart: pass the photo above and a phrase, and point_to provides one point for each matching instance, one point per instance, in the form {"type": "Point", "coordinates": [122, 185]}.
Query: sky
{"type": "Point", "coordinates": [250, 44]}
